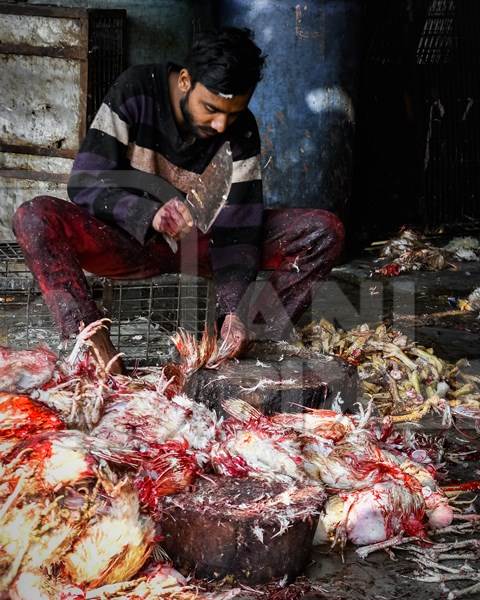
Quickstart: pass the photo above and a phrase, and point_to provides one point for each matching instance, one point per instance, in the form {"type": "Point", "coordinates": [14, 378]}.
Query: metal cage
{"type": "Point", "coordinates": [144, 313]}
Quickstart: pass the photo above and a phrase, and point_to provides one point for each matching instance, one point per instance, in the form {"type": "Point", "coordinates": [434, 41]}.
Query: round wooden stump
{"type": "Point", "coordinates": [248, 529]}
{"type": "Point", "coordinates": [274, 385]}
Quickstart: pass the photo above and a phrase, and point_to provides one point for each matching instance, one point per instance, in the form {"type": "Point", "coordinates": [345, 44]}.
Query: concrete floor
{"type": "Point", "coordinates": [417, 303]}
{"type": "Point", "coordinates": [331, 576]}
{"type": "Point", "coordinates": [378, 577]}
{"type": "Point", "coordinates": [413, 303]}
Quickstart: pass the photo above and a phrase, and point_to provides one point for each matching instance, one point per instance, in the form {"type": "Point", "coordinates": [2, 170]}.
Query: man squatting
{"type": "Point", "coordinates": [170, 120]}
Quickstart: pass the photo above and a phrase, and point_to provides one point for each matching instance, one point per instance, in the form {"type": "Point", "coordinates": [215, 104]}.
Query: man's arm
{"type": "Point", "coordinates": [101, 180]}
{"type": "Point", "coordinates": [237, 232]}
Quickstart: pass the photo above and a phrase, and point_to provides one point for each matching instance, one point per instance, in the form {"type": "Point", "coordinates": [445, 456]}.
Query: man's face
{"type": "Point", "coordinates": [207, 114]}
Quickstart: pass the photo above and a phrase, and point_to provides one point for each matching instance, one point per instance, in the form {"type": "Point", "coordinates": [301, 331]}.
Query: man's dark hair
{"type": "Point", "coordinates": [226, 61]}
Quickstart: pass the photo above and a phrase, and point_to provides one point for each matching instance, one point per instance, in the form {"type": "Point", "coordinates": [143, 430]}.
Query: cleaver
{"type": "Point", "coordinates": [208, 194]}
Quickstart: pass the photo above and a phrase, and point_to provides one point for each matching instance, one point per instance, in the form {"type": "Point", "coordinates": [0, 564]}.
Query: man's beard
{"type": "Point", "coordinates": [189, 124]}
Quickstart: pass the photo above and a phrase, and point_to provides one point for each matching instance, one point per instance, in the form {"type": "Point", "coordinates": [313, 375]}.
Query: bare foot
{"type": "Point", "coordinates": [106, 351]}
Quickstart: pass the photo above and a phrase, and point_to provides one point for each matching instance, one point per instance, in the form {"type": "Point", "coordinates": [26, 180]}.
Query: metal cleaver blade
{"type": "Point", "coordinates": [211, 189]}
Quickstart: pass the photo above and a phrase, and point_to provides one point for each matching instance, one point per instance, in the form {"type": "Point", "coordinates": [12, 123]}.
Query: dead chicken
{"type": "Point", "coordinates": [77, 389]}
{"type": "Point", "coordinates": [143, 419]}
{"type": "Point", "coordinates": [45, 462]}
{"type": "Point", "coordinates": [372, 515]}
{"type": "Point", "coordinates": [251, 445]}
{"type": "Point", "coordinates": [75, 521]}
{"type": "Point", "coordinates": [378, 494]}
{"type": "Point", "coordinates": [410, 251]}
{"type": "Point", "coordinates": [24, 370]}
{"type": "Point", "coordinates": [115, 544]}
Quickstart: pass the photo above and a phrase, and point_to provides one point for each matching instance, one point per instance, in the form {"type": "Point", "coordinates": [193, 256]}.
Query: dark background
{"type": "Point", "coordinates": [416, 146]}
{"type": "Point", "coordinates": [417, 156]}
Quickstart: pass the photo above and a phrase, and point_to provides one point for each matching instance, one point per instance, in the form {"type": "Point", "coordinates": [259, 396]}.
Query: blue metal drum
{"type": "Point", "coordinates": [305, 105]}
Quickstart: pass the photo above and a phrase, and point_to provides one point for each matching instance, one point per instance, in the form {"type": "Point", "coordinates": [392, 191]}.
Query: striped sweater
{"type": "Point", "coordinates": [134, 137]}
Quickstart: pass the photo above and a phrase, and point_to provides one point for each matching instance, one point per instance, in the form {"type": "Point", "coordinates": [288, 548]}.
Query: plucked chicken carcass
{"type": "Point", "coordinates": [396, 496]}
{"type": "Point", "coordinates": [379, 494]}
{"type": "Point", "coordinates": [372, 515]}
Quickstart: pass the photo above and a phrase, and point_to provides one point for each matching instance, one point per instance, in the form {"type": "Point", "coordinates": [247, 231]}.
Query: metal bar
{"type": "Point", "coordinates": [149, 324]}
{"type": "Point", "coordinates": [82, 129]}
{"type": "Point", "coordinates": [59, 12]}
{"type": "Point", "coordinates": [28, 316]}
{"type": "Point", "coordinates": [179, 300]}
{"type": "Point", "coordinates": [120, 295]}
{"type": "Point", "coordinates": [42, 11]}
{"type": "Point", "coordinates": [37, 150]}
{"type": "Point", "coordinates": [210, 321]}
{"type": "Point", "coordinates": [34, 175]}
{"type": "Point", "coordinates": [109, 13]}
{"type": "Point", "coordinates": [67, 52]}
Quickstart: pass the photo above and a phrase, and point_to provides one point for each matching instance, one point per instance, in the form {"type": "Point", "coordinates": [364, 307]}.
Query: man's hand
{"type": "Point", "coordinates": [235, 333]}
{"type": "Point", "coordinates": [173, 219]}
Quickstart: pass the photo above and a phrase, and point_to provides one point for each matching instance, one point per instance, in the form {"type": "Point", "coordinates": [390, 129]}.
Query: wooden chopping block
{"type": "Point", "coordinates": [273, 385]}
{"type": "Point", "coordinates": [251, 530]}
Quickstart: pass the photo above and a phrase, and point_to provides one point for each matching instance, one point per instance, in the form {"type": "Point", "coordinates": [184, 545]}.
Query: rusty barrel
{"type": "Point", "coordinates": [305, 104]}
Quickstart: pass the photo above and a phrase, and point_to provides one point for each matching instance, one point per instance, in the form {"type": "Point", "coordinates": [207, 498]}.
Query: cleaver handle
{"type": "Point", "coordinates": [171, 242]}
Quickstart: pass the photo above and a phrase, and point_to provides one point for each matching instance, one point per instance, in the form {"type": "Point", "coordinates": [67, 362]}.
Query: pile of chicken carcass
{"type": "Point", "coordinates": [401, 377]}
{"type": "Point", "coordinates": [88, 456]}
{"type": "Point", "coordinates": [410, 251]}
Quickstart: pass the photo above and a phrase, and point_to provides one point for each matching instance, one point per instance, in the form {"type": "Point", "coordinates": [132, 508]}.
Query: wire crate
{"type": "Point", "coordinates": [144, 313]}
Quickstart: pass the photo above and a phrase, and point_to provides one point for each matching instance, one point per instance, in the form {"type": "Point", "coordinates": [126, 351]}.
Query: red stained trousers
{"type": "Point", "coordinates": [60, 240]}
